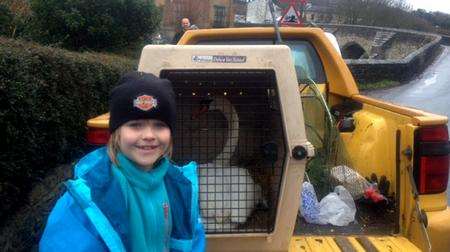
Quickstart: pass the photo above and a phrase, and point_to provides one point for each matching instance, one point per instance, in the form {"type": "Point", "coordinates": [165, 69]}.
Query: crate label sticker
{"type": "Point", "coordinates": [219, 59]}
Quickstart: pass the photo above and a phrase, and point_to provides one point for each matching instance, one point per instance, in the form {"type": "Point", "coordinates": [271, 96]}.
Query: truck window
{"type": "Point", "coordinates": [306, 60]}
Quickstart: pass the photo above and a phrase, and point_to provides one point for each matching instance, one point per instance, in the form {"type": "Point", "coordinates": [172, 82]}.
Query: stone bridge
{"type": "Point", "coordinates": [378, 53]}
{"type": "Point", "coordinates": [368, 42]}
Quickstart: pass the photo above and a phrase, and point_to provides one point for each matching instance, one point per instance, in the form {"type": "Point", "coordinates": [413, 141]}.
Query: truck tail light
{"type": "Point", "coordinates": [97, 136]}
{"type": "Point", "coordinates": [431, 166]}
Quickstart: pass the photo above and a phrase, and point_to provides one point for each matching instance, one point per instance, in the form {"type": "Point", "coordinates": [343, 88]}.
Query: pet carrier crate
{"type": "Point", "coordinates": [240, 118]}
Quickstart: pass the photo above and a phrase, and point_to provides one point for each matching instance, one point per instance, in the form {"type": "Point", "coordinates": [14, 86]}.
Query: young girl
{"type": "Point", "coordinates": [128, 196]}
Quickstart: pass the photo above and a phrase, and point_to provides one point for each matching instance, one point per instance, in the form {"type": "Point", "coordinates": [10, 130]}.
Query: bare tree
{"type": "Point", "coordinates": [20, 9]}
{"type": "Point", "coordinates": [390, 13]}
{"type": "Point", "coordinates": [351, 10]}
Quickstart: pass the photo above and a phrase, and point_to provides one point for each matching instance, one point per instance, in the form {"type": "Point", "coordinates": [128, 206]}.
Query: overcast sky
{"type": "Point", "coordinates": [431, 5]}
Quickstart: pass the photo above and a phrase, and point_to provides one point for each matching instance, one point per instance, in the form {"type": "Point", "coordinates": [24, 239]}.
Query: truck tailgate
{"type": "Point", "coordinates": [351, 243]}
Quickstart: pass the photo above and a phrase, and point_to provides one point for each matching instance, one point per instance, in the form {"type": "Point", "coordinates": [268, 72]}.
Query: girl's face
{"type": "Point", "coordinates": [144, 141]}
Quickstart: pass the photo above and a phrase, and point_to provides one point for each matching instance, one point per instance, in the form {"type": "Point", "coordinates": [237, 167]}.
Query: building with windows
{"type": "Point", "coordinates": [204, 13]}
{"type": "Point", "coordinates": [228, 13]}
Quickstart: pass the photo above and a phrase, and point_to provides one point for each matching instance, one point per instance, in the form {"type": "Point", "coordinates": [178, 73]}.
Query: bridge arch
{"type": "Point", "coordinates": [353, 50]}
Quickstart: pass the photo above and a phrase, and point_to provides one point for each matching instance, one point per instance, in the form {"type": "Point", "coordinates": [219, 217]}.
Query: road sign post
{"type": "Point", "coordinates": [291, 15]}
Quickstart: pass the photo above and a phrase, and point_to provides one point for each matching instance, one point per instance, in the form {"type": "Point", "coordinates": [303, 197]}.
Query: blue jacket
{"type": "Point", "coordinates": [91, 215]}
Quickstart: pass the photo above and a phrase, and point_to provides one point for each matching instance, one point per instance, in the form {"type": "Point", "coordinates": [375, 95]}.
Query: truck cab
{"type": "Point", "coordinates": [253, 113]}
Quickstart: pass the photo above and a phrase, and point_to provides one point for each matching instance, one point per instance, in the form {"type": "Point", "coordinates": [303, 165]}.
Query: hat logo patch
{"type": "Point", "coordinates": [145, 102]}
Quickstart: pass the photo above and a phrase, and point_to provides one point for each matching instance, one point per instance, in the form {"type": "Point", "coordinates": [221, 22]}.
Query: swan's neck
{"type": "Point", "coordinates": [232, 137]}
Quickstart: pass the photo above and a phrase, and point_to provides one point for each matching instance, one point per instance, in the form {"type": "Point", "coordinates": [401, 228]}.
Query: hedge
{"type": "Point", "coordinates": [98, 25]}
{"type": "Point", "coordinates": [46, 96]}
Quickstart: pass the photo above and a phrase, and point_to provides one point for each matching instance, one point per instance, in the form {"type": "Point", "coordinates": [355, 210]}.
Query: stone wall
{"type": "Point", "coordinates": [407, 54]}
{"type": "Point", "coordinates": [348, 35]}
{"type": "Point", "coordinates": [445, 40]}
{"type": "Point", "coordinates": [404, 43]}
{"type": "Point", "coordinates": [398, 70]}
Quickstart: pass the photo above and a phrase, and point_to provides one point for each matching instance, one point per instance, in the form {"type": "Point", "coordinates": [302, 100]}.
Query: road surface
{"type": "Point", "coordinates": [429, 92]}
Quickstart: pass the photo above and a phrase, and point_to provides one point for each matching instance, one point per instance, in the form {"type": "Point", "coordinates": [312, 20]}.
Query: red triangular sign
{"type": "Point", "coordinates": [290, 17]}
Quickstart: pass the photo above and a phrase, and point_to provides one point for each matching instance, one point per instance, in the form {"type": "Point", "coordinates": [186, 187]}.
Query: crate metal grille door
{"type": "Point", "coordinates": [229, 122]}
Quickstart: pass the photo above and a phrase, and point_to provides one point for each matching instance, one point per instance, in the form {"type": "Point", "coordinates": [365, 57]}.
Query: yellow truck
{"type": "Point", "coordinates": [248, 114]}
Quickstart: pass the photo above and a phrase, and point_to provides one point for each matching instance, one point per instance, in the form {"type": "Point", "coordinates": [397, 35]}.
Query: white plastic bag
{"type": "Point", "coordinates": [347, 198]}
{"type": "Point", "coordinates": [337, 208]}
{"type": "Point", "coordinates": [309, 208]}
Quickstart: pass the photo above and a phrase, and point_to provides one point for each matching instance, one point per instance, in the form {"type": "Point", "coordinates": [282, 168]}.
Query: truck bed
{"type": "Point", "coordinates": [369, 220]}
{"type": "Point", "coordinates": [351, 243]}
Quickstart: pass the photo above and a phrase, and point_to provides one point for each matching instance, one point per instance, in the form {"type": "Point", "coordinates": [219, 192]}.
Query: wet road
{"type": "Point", "coordinates": [429, 92]}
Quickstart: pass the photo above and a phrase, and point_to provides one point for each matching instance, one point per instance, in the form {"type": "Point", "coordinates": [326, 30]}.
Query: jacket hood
{"type": "Point", "coordinates": [98, 177]}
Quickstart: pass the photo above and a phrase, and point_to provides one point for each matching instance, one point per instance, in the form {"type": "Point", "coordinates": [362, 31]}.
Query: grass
{"type": "Point", "coordinates": [378, 85]}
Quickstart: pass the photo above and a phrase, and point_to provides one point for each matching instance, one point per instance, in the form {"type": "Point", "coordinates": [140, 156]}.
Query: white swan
{"type": "Point", "coordinates": [228, 193]}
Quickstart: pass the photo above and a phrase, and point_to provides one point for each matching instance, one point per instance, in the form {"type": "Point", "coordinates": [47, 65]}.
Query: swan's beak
{"type": "Point", "coordinates": [196, 114]}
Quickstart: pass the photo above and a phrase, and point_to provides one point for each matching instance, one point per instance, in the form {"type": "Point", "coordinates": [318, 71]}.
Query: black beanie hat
{"type": "Point", "coordinates": [142, 96]}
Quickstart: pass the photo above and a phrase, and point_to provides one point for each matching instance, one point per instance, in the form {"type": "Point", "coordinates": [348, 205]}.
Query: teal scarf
{"type": "Point", "coordinates": [147, 203]}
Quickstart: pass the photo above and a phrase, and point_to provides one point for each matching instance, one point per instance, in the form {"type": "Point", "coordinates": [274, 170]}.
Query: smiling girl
{"type": "Point", "coordinates": [128, 196]}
